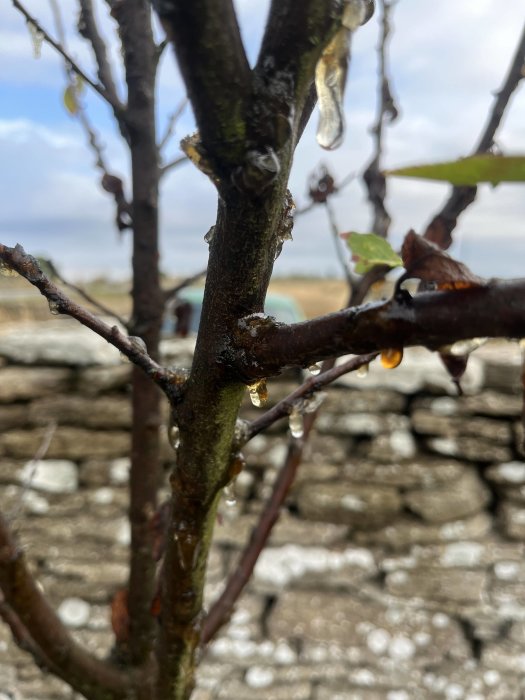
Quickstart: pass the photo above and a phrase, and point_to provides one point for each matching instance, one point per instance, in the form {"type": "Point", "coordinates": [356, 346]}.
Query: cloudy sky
{"type": "Point", "coordinates": [447, 59]}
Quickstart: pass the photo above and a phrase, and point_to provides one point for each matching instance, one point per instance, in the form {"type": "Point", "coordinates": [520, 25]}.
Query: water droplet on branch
{"type": "Point", "coordinates": [296, 423]}
{"type": "Point", "coordinates": [258, 393]}
{"type": "Point", "coordinates": [391, 358]}
{"type": "Point", "coordinates": [54, 307]}
{"type": "Point", "coordinates": [362, 372]}
{"type": "Point", "coordinates": [174, 436]}
{"type": "Point", "coordinates": [314, 369]}
{"type": "Point", "coordinates": [229, 494]}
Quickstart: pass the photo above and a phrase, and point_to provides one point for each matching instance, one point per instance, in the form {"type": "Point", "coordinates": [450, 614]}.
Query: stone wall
{"type": "Point", "coordinates": [396, 571]}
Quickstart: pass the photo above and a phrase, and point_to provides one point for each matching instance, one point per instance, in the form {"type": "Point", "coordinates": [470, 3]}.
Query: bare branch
{"type": "Point", "coordinates": [87, 27]}
{"type": "Point", "coordinates": [373, 177]}
{"type": "Point", "coordinates": [172, 123]}
{"type": "Point", "coordinates": [100, 89]}
{"type": "Point", "coordinates": [172, 164]}
{"type": "Point", "coordinates": [26, 266]}
{"type": "Point", "coordinates": [87, 297]}
{"type": "Point", "coordinates": [81, 670]}
{"type": "Point", "coordinates": [213, 63]}
{"type": "Point", "coordinates": [431, 319]}
{"type": "Point", "coordinates": [170, 293]}
{"type": "Point", "coordinates": [439, 230]}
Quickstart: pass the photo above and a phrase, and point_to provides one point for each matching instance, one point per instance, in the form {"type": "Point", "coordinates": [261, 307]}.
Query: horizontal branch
{"type": "Point", "coordinates": [100, 89]}
{"type": "Point", "coordinates": [27, 266]}
{"type": "Point", "coordinates": [308, 388]}
{"type": "Point", "coordinates": [430, 319]}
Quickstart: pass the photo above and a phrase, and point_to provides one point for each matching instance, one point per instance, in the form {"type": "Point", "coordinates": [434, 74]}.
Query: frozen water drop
{"type": "Point", "coordinates": [362, 372]}
{"type": "Point", "coordinates": [209, 236]}
{"type": "Point", "coordinates": [54, 307]}
{"type": "Point", "coordinates": [229, 494]}
{"type": "Point", "coordinates": [314, 369]}
{"type": "Point", "coordinates": [391, 358]}
{"type": "Point", "coordinates": [296, 423]}
{"type": "Point", "coordinates": [312, 404]}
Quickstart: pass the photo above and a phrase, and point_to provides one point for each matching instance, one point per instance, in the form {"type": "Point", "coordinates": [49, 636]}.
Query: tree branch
{"type": "Point", "coordinates": [431, 319]}
{"type": "Point", "coordinates": [87, 27]}
{"type": "Point", "coordinates": [100, 89]}
{"type": "Point", "coordinates": [81, 670]}
{"type": "Point", "coordinates": [172, 164]}
{"type": "Point", "coordinates": [309, 388]}
{"type": "Point", "coordinates": [211, 57]}
{"type": "Point", "coordinates": [172, 122]}
{"type": "Point", "coordinates": [26, 266]}
{"type": "Point", "coordinates": [373, 177]}
{"type": "Point", "coordinates": [439, 230]}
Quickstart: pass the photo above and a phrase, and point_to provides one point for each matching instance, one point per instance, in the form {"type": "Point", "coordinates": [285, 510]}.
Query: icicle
{"type": "Point", "coordinates": [54, 307]}
{"type": "Point", "coordinates": [391, 358]}
{"type": "Point", "coordinates": [258, 393]}
{"type": "Point", "coordinates": [37, 38]}
{"type": "Point", "coordinates": [331, 71]}
{"type": "Point", "coordinates": [465, 347]}
{"type": "Point", "coordinates": [330, 79]}
{"type": "Point", "coordinates": [314, 369]}
{"type": "Point", "coordinates": [296, 423]}
{"type": "Point", "coordinates": [362, 372]}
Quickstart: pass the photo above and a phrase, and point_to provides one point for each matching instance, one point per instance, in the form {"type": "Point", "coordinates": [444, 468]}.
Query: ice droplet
{"type": "Point", "coordinates": [209, 236]}
{"type": "Point", "coordinates": [330, 79]}
{"type": "Point", "coordinates": [391, 358]}
{"type": "Point", "coordinates": [311, 404]}
{"type": "Point", "coordinates": [37, 38]}
{"type": "Point", "coordinates": [296, 423]}
{"type": "Point", "coordinates": [229, 494]}
{"type": "Point", "coordinates": [258, 393]}
{"type": "Point", "coordinates": [314, 369]}
{"type": "Point", "coordinates": [54, 307]}
{"type": "Point", "coordinates": [362, 372]}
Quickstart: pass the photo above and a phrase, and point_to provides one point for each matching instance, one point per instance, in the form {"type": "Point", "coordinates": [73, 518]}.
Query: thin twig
{"type": "Point", "coordinates": [341, 252]}
{"type": "Point", "coordinates": [169, 294]}
{"type": "Point", "coordinates": [373, 177]}
{"type": "Point", "coordinates": [89, 30]}
{"type": "Point", "coordinates": [87, 297]}
{"type": "Point", "coordinates": [27, 266]}
{"type": "Point", "coordinates": [172, 164]}
{"type": "Point", "coordinates": [439, 230]}
{"type": "Point", "coordinates": [172, 123]}
{"type": "Point", "coordinates": [100, 89]}
{"type": "Point", "coordinates": [307, 389]}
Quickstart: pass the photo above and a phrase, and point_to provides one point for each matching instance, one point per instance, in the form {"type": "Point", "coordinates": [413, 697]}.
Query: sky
{"type": "Point", "coordinates": [447, 58]}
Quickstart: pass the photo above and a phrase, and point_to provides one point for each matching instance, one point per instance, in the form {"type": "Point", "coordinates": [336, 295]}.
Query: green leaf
{"type": "Point", "coordinates": [369, 250]}
{"type": "Point", "coordinates": [469, 171]}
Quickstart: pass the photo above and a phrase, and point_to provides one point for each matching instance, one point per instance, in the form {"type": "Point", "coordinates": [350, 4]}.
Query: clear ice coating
{"type": "Point", "coordinates": [37, 39]}
{"type": "Point", "coordinates": [331, 71]}
{"type": "Point", "coordinates": [296, 423]}
{"type": "Point", "coordinates": [229, 494]}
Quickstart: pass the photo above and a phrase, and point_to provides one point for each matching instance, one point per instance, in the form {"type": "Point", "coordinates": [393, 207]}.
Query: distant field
{"type": "Point", "coordinates": [20, 302]}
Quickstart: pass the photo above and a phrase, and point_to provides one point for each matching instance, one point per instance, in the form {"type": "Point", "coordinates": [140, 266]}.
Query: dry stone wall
{"type": "Point", "coordinates": [396, 571]}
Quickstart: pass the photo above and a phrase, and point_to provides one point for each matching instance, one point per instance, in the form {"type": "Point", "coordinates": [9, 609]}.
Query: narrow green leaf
{"type": "Point", "coordinates": [469, 171]}
{"type": "Point", "coordinates": [369, 250]}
